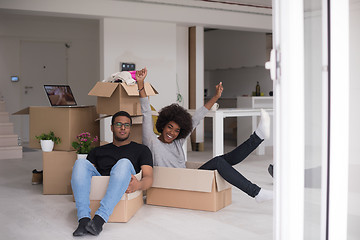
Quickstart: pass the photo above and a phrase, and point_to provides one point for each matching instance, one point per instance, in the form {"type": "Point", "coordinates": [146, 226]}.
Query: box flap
{"type": "Point", "coordinates": [133, 89]}
{"type": "Point", "coordinates": [183, 179]}
{"type": "Point", "coordinates": [102, 117]}
{"type": "Point", "coordinates": [221, 183]}
{"type": "Point", "coordinates": [22, 111]}
{"type": "Point", "coordinates": [150, 90]}
{"type": "Point", "coordinates": [103, 89]}
{"type": "Point", "coordinates": [99, 186]}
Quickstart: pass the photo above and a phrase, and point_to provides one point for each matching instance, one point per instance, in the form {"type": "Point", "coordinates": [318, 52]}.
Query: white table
{"type": "Point", "coordinates": [218, 124]}
{"type": "Point", "coordinates": [243, 125]}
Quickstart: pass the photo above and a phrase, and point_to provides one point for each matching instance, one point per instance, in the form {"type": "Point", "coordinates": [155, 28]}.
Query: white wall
{"type": "Point", "coordinates": [144, 44]}
{"type": "Point", "coordinates": [237, 59]}
{"type": "Point", "coordinates": [227, 49]}
{"type": "Point", "coordinates": [182, 64]}
{"type": "Point", "coordinates": [239, 82]}
{"type": "Point", "coordinates": [83, 58]}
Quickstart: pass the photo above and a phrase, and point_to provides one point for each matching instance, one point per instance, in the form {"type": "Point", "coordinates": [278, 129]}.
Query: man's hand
{"type": "Point", "coordinates": [141, 75]}
{"type": "Point", "coordinates": [134, 185]}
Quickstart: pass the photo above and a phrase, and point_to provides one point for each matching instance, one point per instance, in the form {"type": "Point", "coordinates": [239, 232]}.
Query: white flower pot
{"type": "Point", "coordinates": [81, 155]}
{"type": "Point", "coordinates": [47, 145]}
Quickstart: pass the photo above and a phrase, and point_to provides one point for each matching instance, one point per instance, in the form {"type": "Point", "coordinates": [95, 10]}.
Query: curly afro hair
{"type": "Point", "coordinates": [178, 114]}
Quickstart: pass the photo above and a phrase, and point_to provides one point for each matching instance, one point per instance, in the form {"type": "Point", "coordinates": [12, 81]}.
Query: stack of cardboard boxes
{"type": "Point", "coordinates": [111, 98]}
{"type": "Point", "coordinates": [66, 123]}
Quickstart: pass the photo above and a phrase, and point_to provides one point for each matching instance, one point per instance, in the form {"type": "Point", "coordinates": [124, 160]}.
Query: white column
{"type": "Point", "coordinates": [200, 79]}
{"type": "Point", "coordinates": [218, 134]}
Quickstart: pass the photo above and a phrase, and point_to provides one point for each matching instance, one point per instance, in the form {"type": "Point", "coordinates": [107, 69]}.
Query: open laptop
{"type": "Point", "coordinates": [60, 96]}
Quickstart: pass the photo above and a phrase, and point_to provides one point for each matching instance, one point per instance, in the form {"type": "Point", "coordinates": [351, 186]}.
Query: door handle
{"type": "Point", "coordinates": [271, 65]}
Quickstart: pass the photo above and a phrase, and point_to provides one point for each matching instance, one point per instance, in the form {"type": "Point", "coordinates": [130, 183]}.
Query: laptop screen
{"type": "Point", "coordinates": [60, 95]}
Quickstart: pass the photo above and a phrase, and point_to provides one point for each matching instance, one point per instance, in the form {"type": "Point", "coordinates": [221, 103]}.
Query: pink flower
{"type": "Point", "coordinates": [84, 142]}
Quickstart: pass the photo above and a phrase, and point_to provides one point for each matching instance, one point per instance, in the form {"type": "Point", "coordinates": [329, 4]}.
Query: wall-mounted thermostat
{"type": "Point", "coordinates": [127, 66]}
{"type": "Point", "coordinates": [14, 78]}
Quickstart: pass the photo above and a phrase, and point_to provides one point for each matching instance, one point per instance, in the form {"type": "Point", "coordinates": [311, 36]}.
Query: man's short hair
{"type": "Point", "coordinates": [121, 113]}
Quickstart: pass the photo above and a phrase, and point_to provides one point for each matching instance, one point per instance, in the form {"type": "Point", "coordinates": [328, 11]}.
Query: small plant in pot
{"type": "Point", "coordinates": [84, 144]}
{"type": "Point", "coordinates": [47, 141]}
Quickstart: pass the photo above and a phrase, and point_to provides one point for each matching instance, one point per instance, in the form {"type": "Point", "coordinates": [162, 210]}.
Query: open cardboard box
{"type": "Point", "coordinates": [189, 188]}
{"type": "Point", "coordinates": [126, 207]}
{"type": "Point", "coordinates": [113, 97]}
{"type": "Point", "coordinates": [65, 122]}
{"type": "Point", "coordinates": [57, 169]}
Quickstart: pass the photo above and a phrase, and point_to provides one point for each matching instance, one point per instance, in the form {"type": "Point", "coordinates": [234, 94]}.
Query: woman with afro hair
{"type": "Point", "coordinates": [175, 124]}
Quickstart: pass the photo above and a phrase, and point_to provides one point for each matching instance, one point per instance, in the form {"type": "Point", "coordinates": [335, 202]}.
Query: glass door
{"type": "Point", "coordinates": [311, 118]}
{"type": "Point", "coordinates": [316, 106]}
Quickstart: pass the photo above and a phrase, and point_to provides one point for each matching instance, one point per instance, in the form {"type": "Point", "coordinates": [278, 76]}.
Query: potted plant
{"type": "Point", "coordinates": [84, 144]}
{"type": "Point", "coordinates": [47, 141]}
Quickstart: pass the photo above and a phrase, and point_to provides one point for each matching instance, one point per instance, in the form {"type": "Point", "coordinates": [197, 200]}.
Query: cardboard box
{"type": "Point", "coordinates": [189, 188]}
{"type": "Point", "coordinates": [135, 132]}
{"type": "Point", "coordinates": [113, 97]}
{"type": "Point", "coordinates": [126, 207]}
{"type": "Point", "coordinates": [57, 169]}
{"type": "Point", "coordinates": [65, 122]}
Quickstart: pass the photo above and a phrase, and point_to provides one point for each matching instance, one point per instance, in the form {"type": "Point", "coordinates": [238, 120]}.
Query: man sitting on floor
{"type": "Point", "coordinates": [120, 160]}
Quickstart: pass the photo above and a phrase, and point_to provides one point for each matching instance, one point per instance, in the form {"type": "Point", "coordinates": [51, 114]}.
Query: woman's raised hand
{"type": "Point", "coordinates": [141, 75]}
{"type": "Point", "coordinates": [219, 90]}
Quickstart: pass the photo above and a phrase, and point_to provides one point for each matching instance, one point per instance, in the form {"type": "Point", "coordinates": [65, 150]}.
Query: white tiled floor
{"type": "Point", "coordinates": [27, 214]}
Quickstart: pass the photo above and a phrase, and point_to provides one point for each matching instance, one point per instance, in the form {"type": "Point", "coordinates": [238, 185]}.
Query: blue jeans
{"type": "Point", "coordinates": [120, 176]}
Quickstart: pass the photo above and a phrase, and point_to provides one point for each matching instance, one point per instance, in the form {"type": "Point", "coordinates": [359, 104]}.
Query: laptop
{"type": "Point", "coordinates": [60, 96]}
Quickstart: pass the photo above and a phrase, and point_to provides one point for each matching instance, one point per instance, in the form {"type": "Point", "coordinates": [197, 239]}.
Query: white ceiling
{"type": "Point", "coordinates": [230, 5]}
{"type": "Point", "coordinates": [264, 3]}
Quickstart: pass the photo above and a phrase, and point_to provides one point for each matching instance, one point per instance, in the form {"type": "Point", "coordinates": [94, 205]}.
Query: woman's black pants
{"type": "Point", "coordinates": [224, 165]}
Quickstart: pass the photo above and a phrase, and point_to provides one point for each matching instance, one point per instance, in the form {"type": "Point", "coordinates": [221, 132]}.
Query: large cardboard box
{"type": "Point", "coordinates": [113, 97]}
{"type": "Point", "coordinates": [126, 207]}
{"type": "Point", "coordinates": [57, 169]}
{"type": "Point", "coordinates": [189, 188]}
{"type": "Point", "coordinates": [65, 122]}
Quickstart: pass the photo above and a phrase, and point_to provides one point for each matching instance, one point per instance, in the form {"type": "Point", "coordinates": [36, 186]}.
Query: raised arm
{"type": "Point", "coordinates": [147, 125]}
{"type": "Point", "coordinates": [140, 78]}
{"type": "Point", "coordinates": [219, 90]}
{"type": "Point", "coordinates": [201, 112]}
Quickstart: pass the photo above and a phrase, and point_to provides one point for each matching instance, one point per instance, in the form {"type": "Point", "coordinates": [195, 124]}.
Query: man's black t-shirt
{"type": "Point", "coordinates": [105, 157]}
